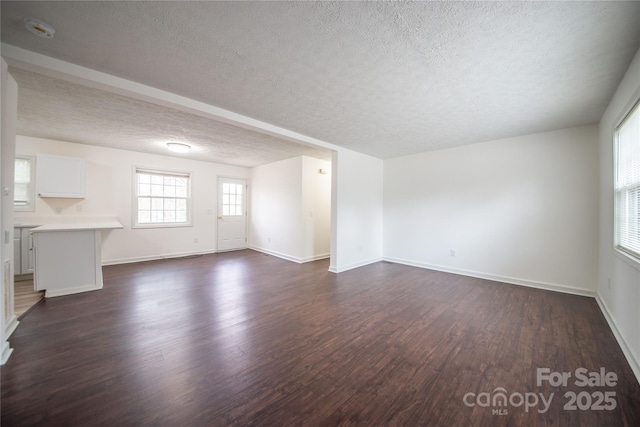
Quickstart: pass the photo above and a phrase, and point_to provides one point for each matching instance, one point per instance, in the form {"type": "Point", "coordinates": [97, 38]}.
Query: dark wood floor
{"type": "Point", "coordinates": [247, 339]}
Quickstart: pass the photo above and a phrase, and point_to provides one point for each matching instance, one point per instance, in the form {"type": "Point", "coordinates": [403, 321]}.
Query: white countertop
{"type": "Point", "coordinates": [105, 225]}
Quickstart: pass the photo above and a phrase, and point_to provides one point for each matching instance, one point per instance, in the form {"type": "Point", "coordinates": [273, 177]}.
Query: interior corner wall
{"type": "Point", "coordinates": [520, 210]}
{"type": "Point", "coordinates": [618, 280]}
{"type": "Point", "coordinates": [109, 175]}
{"type": "Point", "coordinates": [275, 221]}
{"type": "Point", "coordinates": [356, 227]}
{"type": "Point", "coordinates": [316, 209]}
{"type": "Point", "coordinates": [291, 209]}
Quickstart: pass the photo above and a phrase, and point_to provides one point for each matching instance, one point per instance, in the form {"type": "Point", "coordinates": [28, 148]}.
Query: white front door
{"type": "Point", "coordinates": [232, 214]}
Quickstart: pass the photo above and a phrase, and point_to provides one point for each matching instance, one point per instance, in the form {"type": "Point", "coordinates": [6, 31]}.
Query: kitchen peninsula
{"type": "Point", "coordinates": [68, 257]}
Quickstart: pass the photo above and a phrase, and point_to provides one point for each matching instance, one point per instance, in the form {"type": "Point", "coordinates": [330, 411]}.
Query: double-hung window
{"type": "Point", "coordinates": [627, 185]}
{"type": "Point", "coordinates": [162, 198]}
{"type": "Point", "coordinates": [24, 192]}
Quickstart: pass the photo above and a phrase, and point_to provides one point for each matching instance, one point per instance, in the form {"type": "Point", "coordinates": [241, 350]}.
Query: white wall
{"type": "Point", "coordinates": [316, 208]}
{"type": "Point", "coordinates": [276, 199]}
{"type": "Point", "coordinates": [618, 281]}
{"type": "Point", "coordinates": [521, 210]}
{"type": "Point", "coordinates": [8, 113]}
{"type": "Point", "coordinates": [291, 209]}
{"type": "Point", "coordinates": [109, 187]}
{"type": "Point", "coordinates": [356, 203]}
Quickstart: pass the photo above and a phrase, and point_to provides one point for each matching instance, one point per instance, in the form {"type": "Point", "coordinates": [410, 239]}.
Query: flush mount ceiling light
{"type": "Point", "coordinates": [178, 147]}
{"type": "Point", "coordinates": [39, 28]}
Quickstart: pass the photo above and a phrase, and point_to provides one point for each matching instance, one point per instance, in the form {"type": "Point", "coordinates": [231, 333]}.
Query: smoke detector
{"type": "Point", "coordinates": [39, 28]}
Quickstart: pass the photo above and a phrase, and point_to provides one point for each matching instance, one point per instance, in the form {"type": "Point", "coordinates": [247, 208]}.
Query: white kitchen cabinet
{"type": "Point", "coordinates": [22, 253]}
{"type": "Point", "coordinates": [27, 252]}
{"type": "Point", "coordinates": [59, 176]}
{"type": "Point", "coordinates": [17, 251]}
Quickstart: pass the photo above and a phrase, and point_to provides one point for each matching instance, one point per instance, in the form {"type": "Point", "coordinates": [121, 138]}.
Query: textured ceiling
{"type": "Point", "coordinates": [57, 109]}
{"type": "Point", "coordinates": [383, 78]}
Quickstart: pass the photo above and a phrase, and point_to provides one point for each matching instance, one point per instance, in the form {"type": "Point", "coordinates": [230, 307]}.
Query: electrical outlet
{"type": "Point", "coordinates": [452, 252]}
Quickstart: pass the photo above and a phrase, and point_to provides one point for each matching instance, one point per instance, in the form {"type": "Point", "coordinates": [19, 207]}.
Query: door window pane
{"type": "Point", "coordinates": [232, 199]}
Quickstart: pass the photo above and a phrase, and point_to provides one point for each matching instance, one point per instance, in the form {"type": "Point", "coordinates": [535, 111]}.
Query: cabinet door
{"type": "Point", "coordinates": [59, 176]}
{"type": "Point", "coordinates": [17, 252]}
{"type": "Point", "coordinates": [27, 251]}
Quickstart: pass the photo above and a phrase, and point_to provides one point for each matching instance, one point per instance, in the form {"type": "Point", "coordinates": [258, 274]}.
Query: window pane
{"type": "Point", "coordinates": [225, 199]}
{"type": "Point", "coordinates": [157, 179]}
{"type": "Point", "coordinates": [225, 188]}
{"type": "Point", "coordinates": [157, 216]}
{"type": "Point", "coordinates": [144, 203]}
{"type": "Point", "coordinates": [22, 171]}
{"type": "Point", "coordinates": [169, 204]}
{"type": "Point", "coordinates": [21, 193]}
{"type": "Point", "coordinates": [181, 205]}
{"type": "Point", "coordinates": [170, 191]}
{"type": "Point", "coordinates": [144, 217]}
{"type": "Point", "coordinates": [144, 189]}
{"type": "Point", "coordinates": [169, 216]}
{"type": "Point", "coordinates": [238, 188]}
{"type": "Point", "coordinates": [181, 192]}
{"type": "Point", "coordinates": [143, 178]}
{"type": "Point", "coordinates": [181, 216]}
{"type": "Point", "coordinates": [157, 204]}
{"type": "Point", "coordinates": [157, 190]}
{"type": "Point", "coordinates": [225, 210]}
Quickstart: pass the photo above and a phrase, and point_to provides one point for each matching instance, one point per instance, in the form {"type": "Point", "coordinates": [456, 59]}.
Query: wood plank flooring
{"type": "Point", "coordinates": [25, 297]}
{"type": "Point", "coordinates": [247, 339]}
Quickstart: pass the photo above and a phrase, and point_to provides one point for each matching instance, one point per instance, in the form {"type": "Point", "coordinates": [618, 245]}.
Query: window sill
{"type": "Point", "coordinates": [24, 209]}
{"type": "Point", "coordinates": [631, 260]}
{"type": "Point", "coordinates": [160, 225]}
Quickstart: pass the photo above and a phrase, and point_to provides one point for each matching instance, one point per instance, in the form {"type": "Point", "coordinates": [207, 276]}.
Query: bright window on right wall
{"type": "Point", "coordinates": [627, 185]}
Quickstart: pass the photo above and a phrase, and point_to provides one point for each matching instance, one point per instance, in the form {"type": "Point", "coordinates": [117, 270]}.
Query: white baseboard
{"type": "Point", "coordinates": [289, 257]}
{"type": "Point", "coordinates": [5, 353]}
{"type": "Point", "coordinates": [631, 357]}
{"type": "Point", "coordinates": [11, 326]}
{"type": "Point", "coordinates": [505, 279]}
{"type": "Point", "coordinates": [154, 257]}
{"type": "Point", "coordinates": [343, 268]}
{"type": "Point", "coordinates": [70, 291]}
{"type": "Point", "coordinates": [315, 258]}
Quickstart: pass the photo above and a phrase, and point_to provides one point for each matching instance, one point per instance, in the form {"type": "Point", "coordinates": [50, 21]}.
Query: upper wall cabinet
{"type": "Point", "coordinates": [59, 176]}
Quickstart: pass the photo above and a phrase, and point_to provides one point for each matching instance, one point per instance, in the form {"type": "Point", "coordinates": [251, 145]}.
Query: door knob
{"type": "Point", "coordinates": [219, 217]}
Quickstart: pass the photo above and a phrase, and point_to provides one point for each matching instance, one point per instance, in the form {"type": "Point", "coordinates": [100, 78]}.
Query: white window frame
{"type": "Point", "coordinates": [163, 172]}
{"type": "Point", "coordinates": [30, 206]}
{"type": "Point", "coordinates": [626, 254]}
